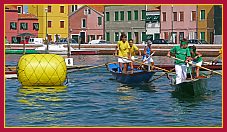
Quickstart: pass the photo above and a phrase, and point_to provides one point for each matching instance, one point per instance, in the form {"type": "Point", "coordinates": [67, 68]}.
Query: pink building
{"type": "Point", "coordinates": [178, 22]}
{"type": "Point", "coordinates": [16, 24]}
{"type": "Point", "coordinates": [28, 24]}
{"type": "Point", "coordinates": [11, 22]}
{"type": "Point", "coordinates": [87, 24]}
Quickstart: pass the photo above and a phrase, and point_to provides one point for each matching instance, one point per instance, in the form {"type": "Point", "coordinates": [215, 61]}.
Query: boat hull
{"type": "Point", "coordinates": [138, 76]}
{"type": "Point", "coordinates": [195, 87]}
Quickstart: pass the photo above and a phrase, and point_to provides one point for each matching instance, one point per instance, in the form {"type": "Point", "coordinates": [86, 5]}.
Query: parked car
{"type": "Point", "coordinates": [65, 41]}
{"type": "Point", "coordinates": [159, 41]}
{"type": "Point", "coordinates": [35, 41]}
{"type": "Point", "coordinates": [196, 41]}
{"type": "Point", "coordinates": [99, 42]}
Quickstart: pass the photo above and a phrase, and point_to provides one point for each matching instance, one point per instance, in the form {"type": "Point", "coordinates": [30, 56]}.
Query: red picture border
{"type": "Point", "coordinates": [2, 103]}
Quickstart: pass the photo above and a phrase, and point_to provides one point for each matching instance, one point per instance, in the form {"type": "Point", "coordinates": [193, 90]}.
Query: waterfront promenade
{"type": "Point", "coordinates": [208, 50]}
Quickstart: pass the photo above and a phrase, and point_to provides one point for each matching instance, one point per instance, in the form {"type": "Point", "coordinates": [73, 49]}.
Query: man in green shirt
{"type": "Point", "coordinates": [181, 52]}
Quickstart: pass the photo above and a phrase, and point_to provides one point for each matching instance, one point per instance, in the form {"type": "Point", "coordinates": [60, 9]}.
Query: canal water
{"type": "Point", "coordinates": [93, 98]}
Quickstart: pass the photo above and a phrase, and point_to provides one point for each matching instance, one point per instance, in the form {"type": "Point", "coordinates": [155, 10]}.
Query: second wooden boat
{"type": "Point", "coordinates": [137, 76]}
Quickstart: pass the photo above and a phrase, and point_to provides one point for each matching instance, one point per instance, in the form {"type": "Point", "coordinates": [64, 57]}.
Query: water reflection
{"type": "Point", "coordinates": [145, 87]}
{"type": "Point", "coordinates": [128, 93]}
{"type": "Point", "coordinates": [33, 95]}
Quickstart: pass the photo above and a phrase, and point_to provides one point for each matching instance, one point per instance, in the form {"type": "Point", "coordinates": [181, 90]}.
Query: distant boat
{"type": "Point", "coordinates": [191, 87]}
{"type": "Point", "coordinates": [60, 49]}
{"type": "Point", "coordinates": [138, 76]}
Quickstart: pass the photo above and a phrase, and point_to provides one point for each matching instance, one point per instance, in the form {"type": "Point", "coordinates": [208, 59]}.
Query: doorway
{"type": "Point", "coordinates": [82, 36]}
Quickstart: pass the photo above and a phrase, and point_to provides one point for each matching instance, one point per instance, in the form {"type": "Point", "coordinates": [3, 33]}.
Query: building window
{"type": "Point", "coordinates": [107, 36]}
{"type": "Point", "coordinates": [62, 9]}
{"type": "Point", "coordinates": [174, 16]}
{"type": "Point", "coordinates": [152, 18]}
{"type": "Point", "coordinates": [116, 36]}
{"type": "Point", "coordinates": [49, 24]}
{"type": "Point", "coordinates": [166, 35]}
{"type": "Point", "coordinates": [143, 15]}
{"type": "Point", "coordinates": [144, 36]}
{"type": "Point", "coordinates": [23, 26]}
{"type": "Point", "coordinates": [181, 16]}
{"type": "Point", "coordinates": [181, 35]}
{"type": "Point", "coordinates": [116, 16]}
{"type": "Point", "coordinates": [193, 16]}
{"type": "Point", "coordinates": [19, 9]}
{"type": "Point", "coordinates": [164, 16]}
{"type": "Point", "coordinates": [14, 40]}
{"type": "Point", "coordinates": [129, 15]}
{"type": "Point", "coordinates": [136, 15]}
{"type": "Point", "coordinates": [87, 11]}
{"type": "Point", "coordinates": [83, 24]}
{"type": "Point", "coordinates": [202, 15]}
{"type": "Point", "coordinates": [107, 16]}
{"type": "Point", "coordinates": [156, 36]}
{"type": "Point", "coordinates": [122, 15]}
{"type": "Point", "coordinates": [73, 8]}
{"type": "Point", "coordinates": [13, 26]}
{"type": "Point", "coordinates": [49, 9]}
{"type": "Point", "coordinates": [129, 35]}
{"type": "Point", "coordinates": [62, 23]}
{"type": "Point", "coordinates": [202, 35]}
{"type": "Point", "coordinates": [99, 21]}
{"type": "Point", "coordinates": [36, 26]}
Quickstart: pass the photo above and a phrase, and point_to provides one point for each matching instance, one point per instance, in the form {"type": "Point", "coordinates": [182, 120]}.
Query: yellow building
{"type": "Point", "coordinates": [53, 20]}
{"type": "Point", "coordinates": [206, 23]}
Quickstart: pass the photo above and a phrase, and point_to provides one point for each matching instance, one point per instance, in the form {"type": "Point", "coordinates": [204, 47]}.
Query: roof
{"type": "Point", "coordinates": [100, 13]}
{"type": "Point", "coordinates": [27, 16]}
{"type": "Point", "coordinates": [99, 8]}
{"type": "Point", "coordinates": [154, 8]}
{"type": "Point", "coordinates": [10, 7]}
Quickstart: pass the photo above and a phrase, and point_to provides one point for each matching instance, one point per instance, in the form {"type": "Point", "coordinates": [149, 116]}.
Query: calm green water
{"type": "Point", "coordinates": [93, 98]}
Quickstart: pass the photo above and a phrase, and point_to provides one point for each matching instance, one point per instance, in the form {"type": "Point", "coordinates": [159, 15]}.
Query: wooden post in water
{"type": "Point", "coordinates": [68, 47]}
{"type": "Point", "coordinates": [24, 50]}
{"type": "Point", "coordinates": [79, 42]}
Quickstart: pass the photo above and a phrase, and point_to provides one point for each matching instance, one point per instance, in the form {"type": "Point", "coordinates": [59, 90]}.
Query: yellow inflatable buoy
{"type": "Point", "coordinates": [41, 70]}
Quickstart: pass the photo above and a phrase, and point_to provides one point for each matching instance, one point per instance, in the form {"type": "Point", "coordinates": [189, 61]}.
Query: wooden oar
{"type": "Point", "coordinates": [88, 68]}
{"type": "Point", "coordinates": [216, 58]}
{"type": "Point", "coordinates": [195, 65]}
{"type": "Point", "coordinates": [168, 71]}
{"type": "Point", "coordinates": [211, 62]}
{"type": "Point", "coordinates": [146, 59]}
{"type": "Point", "coordinates": [142, 63]}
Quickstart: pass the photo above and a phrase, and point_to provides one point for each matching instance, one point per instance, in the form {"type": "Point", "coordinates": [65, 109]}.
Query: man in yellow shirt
{"type": "Point", "coordinates": [123, 52]}
{"type": "Point", "coordinates": [132, 50]}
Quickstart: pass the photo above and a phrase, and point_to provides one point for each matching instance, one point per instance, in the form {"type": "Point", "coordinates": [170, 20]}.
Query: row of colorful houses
{"type": "Point", "coordinates": [139, 22]}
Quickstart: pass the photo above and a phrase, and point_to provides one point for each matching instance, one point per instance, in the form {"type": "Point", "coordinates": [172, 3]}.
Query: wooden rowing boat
{"type": "Point", "coordinates": [137, 76]}
{"type": "Point", "coordinates": [191, 87]}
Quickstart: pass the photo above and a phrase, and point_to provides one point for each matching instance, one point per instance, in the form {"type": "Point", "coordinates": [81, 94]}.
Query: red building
{"type": "Point", "coordinates": [19, 26]}
{"type": "Point", "coordinates": [11, 22]}
{"type": "Point", "coordinates": [28, 24]}
{"type": "Point", "coordinates": [86, 23]}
